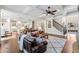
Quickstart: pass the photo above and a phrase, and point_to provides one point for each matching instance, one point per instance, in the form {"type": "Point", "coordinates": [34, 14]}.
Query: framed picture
{"type": "Point", "coordinates": [49, 24]}
{"type": "Point", "coordinates": [13, 23]}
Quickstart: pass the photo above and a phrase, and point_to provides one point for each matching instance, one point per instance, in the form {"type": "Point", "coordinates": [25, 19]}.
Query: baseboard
{"type": "Point", "coordinates": [56, 35]}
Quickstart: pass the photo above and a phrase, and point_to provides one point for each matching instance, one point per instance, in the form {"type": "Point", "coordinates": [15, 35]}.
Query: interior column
{"type": "Point", "coordinates": [33, 26]}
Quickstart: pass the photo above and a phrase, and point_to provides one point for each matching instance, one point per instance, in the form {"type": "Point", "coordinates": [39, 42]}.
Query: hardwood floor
{"type": "Point", "coordinates": [10, 45]}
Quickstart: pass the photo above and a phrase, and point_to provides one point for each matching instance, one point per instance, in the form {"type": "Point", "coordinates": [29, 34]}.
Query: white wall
{"type": "Point", "coordinates": [51, 30]}
{"type": "Point", "coordinates": [13, 16]}
{"type": "Point", "coordinates": [73, 18]}
{"type": "Point", "coordinates": [38, 24]}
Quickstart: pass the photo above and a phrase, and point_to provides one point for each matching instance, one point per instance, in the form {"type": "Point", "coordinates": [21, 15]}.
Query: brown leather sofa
{"type": "Point", "coordinates": [32, 47]}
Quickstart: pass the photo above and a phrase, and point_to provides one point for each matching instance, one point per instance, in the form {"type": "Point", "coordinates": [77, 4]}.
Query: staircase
{"type": "Point", "coordinates": [58, 26]}
{"type": "Point", "coordinates": [56, 30]}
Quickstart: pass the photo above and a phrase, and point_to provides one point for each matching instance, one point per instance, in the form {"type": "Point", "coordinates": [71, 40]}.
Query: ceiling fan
{"type": "Point", "coordinates": [46, 10]}
{"type": "Point", "coordinates": [49, 11]}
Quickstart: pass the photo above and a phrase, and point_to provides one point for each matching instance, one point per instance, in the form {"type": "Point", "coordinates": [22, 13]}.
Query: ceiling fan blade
{"type": "Point", "coordinates": [54, 11]}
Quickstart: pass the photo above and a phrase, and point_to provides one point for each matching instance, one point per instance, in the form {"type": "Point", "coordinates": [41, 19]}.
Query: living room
{"type": "Point", "coordinates": [55, 26]}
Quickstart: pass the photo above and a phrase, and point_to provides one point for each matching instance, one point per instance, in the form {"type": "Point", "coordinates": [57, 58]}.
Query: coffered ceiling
{"type": "Point", "coordinates": [34, 12]}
